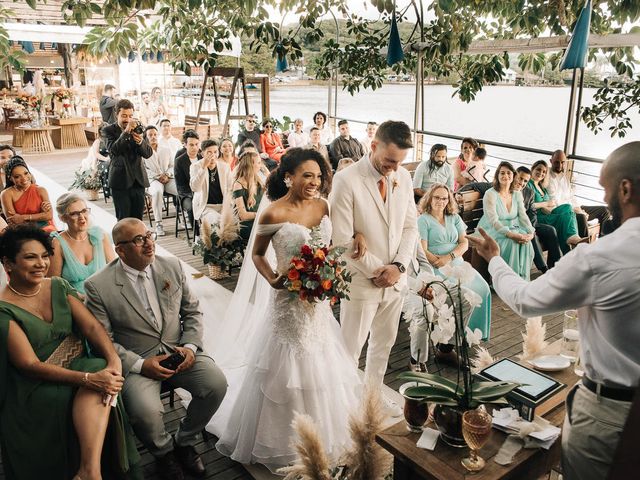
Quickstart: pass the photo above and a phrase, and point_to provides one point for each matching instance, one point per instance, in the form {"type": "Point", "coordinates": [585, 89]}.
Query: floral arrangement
{"type": "Point", "coordinates": [317, 273]}
{"type": "Point", "coordinates": [364, 460]}
{"type": "Point", "coordinates": [220, 244]}
{"type": "Point", "coordinates": [63, 94]}
{"type": "Point", "coordinates": [86, 180]}
{"type": "Point", "coordinates": [453, 304]}
{"type": "Point", "coordinates": [29, 101]}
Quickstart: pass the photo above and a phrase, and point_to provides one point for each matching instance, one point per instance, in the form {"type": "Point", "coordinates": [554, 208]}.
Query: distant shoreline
{"type": "Point", "coordinates": [323, 83]}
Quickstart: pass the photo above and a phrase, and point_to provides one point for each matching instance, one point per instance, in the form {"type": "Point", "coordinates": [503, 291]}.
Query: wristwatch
{"type": "Point", "coordinates": [400, 266]}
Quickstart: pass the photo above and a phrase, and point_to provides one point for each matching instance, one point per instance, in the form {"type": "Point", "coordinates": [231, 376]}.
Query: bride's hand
{"type": "Point", "coordinates": [278, 282]}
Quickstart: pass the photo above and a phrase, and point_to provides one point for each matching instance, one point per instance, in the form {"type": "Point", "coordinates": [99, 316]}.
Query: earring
{"type": "Point", "coordinates": [288, 183]}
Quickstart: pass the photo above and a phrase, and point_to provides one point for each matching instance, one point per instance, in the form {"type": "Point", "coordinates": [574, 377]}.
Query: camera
{"type": "Point", "coordinates": [139, 129]}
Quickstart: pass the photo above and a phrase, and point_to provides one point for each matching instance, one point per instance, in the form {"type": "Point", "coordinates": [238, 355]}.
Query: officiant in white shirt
{"type": "Point", "coordinates": [600, 280]}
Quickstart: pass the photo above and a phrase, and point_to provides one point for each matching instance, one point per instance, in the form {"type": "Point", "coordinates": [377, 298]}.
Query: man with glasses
{"type": "Point", "coordinates": [150, 313]}
{"type": "Point", "coordinates": [249, 132]}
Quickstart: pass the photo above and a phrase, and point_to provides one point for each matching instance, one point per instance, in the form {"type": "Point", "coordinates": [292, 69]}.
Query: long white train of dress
{"type": "Point", "coordinates": [295, 362]}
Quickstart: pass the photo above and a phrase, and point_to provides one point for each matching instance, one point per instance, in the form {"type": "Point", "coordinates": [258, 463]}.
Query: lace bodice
{"type": "Point", "coordinates": [299, 324]}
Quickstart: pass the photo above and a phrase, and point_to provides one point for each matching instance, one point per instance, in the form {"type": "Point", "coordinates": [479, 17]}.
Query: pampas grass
{"type": "Point", "coordinates": [482, 360]}
{"type": "Point", "coordinates": [534, 342]}
{"type": "Point", "coordinates": [366, 460]}
{"type": "Point", "coordinates": [228, 227]}
{"type": "Point", "coordinates": [313, 463]}
{"type": "Point", "coordinates": [206, 234]}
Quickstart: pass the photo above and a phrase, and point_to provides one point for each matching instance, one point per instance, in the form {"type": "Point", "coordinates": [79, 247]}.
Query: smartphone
{"type": "Point", "coordinates": [173, 361]}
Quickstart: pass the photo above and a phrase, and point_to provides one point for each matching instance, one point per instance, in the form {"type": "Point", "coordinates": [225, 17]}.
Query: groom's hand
{"type": "Point", "coordinates": [486, 246]}
{"type": "Point", "coordinates": [151, 368]}
{"type": "Point", "coordinates": [386, 276]}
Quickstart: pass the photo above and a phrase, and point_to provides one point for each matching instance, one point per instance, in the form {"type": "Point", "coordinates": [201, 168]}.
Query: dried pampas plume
{"type": "Point", "coordinates": [206, 234]}
{"type": "Point", "coordinates": [534, 342]}
{"type": "Point", "coordinates": [228, 227]}
{"type": "Point", "coordinates": [482, 360]}
{"type": "Point", "coordinates": [313, 463]}
{"type": "Point", "coordinates": [366, 460]}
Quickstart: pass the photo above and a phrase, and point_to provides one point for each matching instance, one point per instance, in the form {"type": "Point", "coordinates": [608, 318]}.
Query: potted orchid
{"type": "Point", "coordinates": [453, 304]}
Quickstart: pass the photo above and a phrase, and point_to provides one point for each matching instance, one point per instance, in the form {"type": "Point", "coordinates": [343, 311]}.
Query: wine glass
{"type": "Point", "coordinates": [476, 429]}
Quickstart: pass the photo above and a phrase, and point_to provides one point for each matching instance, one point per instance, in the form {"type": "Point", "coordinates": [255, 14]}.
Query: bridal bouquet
{"type": "Point", "coordinates": [317, 273]}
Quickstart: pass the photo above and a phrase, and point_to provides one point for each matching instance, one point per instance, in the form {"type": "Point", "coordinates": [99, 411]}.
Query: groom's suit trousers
{"type": "Point", "coordinates": [379, 315]}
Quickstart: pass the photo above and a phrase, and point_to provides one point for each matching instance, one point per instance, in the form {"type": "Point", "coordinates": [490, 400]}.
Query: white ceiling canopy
{"type": "Point", "coordinates": [30, 32]}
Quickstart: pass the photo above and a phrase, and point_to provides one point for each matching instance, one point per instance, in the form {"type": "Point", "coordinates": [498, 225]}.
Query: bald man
{"type": "Point", "coordinates": [146, 306]}
{"type": "Point", "coordinates": [602, 281]}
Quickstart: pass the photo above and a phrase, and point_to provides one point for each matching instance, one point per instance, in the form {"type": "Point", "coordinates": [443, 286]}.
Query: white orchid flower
{"type": "Point", "coordinates": [473, 337]}
{"type": "Point", "coordinates": [472, 298]}
{"type": "Point", "coordinates": [445, 312]}
{"type": "Point", "coordinates": [463, 273]}
{"type": "Point", "coordinates": [427, 277]}
{"type": "Point", "coordinates": [441, 335]}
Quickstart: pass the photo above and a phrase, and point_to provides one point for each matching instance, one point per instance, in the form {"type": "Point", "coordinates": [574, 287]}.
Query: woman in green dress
{"type": "Point", "coordinates": [505, 220]}
{"type": "Point", "coordinates": [248, 190]}
{"type": "Point", "coordinates": [55, 401]}
{"type": "Point", "coordinates": [561, 217]}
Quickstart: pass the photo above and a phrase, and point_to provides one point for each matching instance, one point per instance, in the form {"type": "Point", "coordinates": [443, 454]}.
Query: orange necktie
{"type": "Point", "coordinates": [382, 187]}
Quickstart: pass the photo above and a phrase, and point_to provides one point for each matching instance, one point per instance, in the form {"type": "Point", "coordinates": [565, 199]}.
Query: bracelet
{"type": "Point", "coordinates": [452, 255]}
{"type": "Point", "coordinates": [85, 379]}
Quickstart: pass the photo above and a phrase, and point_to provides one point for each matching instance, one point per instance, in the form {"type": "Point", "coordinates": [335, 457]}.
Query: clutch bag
{"type": "Point", "coordinates": [68, 350]}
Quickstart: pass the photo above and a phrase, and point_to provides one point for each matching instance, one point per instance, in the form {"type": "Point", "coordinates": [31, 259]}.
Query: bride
{"type": "Point", "coordinates": [295, 360]}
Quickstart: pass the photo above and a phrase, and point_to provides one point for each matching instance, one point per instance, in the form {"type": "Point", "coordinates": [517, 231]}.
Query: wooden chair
{"type": "Point", "coordinates": [471, 211]}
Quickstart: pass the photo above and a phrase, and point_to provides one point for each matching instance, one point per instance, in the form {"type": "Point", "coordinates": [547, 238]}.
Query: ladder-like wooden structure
{"type": "Point", "coordinates": [226, 72]}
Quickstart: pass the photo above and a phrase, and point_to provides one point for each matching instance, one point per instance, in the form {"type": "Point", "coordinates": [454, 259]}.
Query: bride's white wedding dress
{"type": "Point", "coordinates": [296, 362]}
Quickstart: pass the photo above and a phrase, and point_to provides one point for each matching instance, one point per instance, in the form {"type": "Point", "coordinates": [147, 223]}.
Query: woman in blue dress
{"type": "Point", "coordinates": [561, 217]}
{"type": "Point", "coordinates": [81, 250]}
{"type": "Point", "coordinates": [505, 220]}
{"type": "Point", "coordinates": [443, 239]}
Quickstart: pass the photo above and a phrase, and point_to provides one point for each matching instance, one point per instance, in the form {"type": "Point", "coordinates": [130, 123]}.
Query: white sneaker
{"type": "Point", "coordinates": [391, 408]}
{"type": "Point", "coordinates": [160, 230]}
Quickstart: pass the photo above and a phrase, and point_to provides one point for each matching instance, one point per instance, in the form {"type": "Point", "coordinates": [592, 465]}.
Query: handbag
{"type": "Point", "coordinates": [68, 350]}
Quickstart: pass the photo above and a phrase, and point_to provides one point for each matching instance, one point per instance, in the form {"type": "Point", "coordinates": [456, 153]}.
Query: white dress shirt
{"type": "Point", "coordinates": [601, 280]}
{"type": "Point", "coordinates": [152, 297]}
{"type": "Point", "coordinates": [298, 139]}
{"type": "Point", "coordinates": [172, 143]}
{"type": "Point", "coordinates": [560, 189]}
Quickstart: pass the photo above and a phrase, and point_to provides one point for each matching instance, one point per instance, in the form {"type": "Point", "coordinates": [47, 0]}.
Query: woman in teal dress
{"type": "Point", "coordinates": [248, 190]}
{"type": "Point", "coordinates": [561, 217]}
{"type": "Point", "coordinates": [80, 250]}
{"type": "Point", "coordinates": [443, 239]}
{"type": "Point", "coordinates": [55, 401]}
{"type": "Point", "coordinates": [505, 220]}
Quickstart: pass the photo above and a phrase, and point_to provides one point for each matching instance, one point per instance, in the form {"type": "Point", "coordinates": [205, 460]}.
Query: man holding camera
{"type": "Point", "coordinates": [155, 322]}
{"type": "Point", "coordinates": [127, 147]}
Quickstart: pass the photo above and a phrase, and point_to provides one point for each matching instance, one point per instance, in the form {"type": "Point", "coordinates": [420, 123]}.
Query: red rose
{"type": "Point", "coordinates": [306, 250]}
{"type": "Point", "coordinates": [293, 274]}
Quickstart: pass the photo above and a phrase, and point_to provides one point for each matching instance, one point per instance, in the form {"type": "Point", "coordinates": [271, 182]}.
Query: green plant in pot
{"type": "Point", "coordinates": [89, 181]}
{"type": "Point", "coordinates": [453, 304]}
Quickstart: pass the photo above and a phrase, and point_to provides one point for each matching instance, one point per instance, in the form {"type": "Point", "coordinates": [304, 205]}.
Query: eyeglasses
{"type": "Point", "coordinates": [441, 199]}
{"type": "Point", "coordinates": [140, 240]}
{"type": "Point", "coordinates": [250, 121]}
{"type": "Point", "coordinates": [76, 215]}
{"type": "Point", "coordinates": [268, 126]}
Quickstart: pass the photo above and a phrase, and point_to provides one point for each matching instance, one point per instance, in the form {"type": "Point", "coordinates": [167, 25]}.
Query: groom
{"type": "Point", "coordinates": [375, 198]}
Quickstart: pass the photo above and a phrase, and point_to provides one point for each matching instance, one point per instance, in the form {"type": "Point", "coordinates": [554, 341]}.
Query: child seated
{"type": "Point", "coordinates": [476, 170]}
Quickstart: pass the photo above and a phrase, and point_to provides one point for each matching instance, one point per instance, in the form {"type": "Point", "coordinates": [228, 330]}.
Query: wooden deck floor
{"type": "Point", "coordinates": [506, 327]}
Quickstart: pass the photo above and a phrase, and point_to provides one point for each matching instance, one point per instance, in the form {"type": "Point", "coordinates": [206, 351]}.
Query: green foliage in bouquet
{"type": "Point", "coordinates": [86, 180]}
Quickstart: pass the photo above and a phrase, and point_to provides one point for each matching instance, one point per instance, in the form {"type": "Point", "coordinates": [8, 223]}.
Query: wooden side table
{"type": "Point", "coordinates": [37, 139]}
{"type": "Point", "coordinates": [71, 132]}
{"type": "Point", "coordinates": [13, 123]}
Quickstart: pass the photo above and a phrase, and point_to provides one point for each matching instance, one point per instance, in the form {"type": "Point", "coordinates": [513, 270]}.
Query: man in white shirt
{"type": "Point", "coordinates": [600, 280]}
{"type": "Point", "coordinates": [372, 128]}
{"type": "Point", "coordinates": [562, 191]}
{"type": "Point", "coordinates": [160, 172]}
{"type": "Point", "coordinates": [168, 140]}
{"type": "Point", "coordinates": [298, 138]}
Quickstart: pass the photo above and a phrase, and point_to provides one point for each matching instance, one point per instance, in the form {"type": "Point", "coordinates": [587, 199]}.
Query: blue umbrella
{"type": "Point", "coordinates": [576, 54]}
{"type": "Point", "coordinates": [394, 51]}
{"type": "Point", "coordinates": [28, 47]}
{"type": "Point", "coordinates": [145, 56]}
{"type": "Point", "coordinates": [132, 56]}
{"type": "Point", "coordinates": [281, 61]}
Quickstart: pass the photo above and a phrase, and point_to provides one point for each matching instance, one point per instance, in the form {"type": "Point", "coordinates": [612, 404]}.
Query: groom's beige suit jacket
{"type": "Point", "coordinates": [390, 229]}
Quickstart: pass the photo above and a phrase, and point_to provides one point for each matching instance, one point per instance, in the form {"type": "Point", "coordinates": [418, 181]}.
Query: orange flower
{"type": "Point", "coordinates": [298, 264]}
{"type": "Point", "coordinates": [327, 284]}
{"type": "Point", "coordinates": [296, 285]}
{"type": "Point", "coordinates": [293, 274]}
{"type": "Point", "coordinates": [319, 254]}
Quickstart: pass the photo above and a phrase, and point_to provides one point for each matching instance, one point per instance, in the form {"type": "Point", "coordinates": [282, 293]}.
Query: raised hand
{"type": "Point", "coordinates": [486, 246]}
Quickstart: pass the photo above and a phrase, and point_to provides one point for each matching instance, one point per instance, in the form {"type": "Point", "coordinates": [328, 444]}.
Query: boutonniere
{"type": "Point", "coordinates": [166, 285]}
{"type": "Point", "coordinates": [394, 185]}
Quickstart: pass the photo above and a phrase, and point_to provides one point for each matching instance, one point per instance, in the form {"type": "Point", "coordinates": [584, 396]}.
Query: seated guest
{"type": "Point", "coordinates": [372, 128]}
{"type": "Point", "coordinates": [248, 146]}
{"type": "Point", "coordinates": [248, 189]}
{"type": "Point", "coordinates": [160, 172]}
{"type": "Point", "coordinates": [316, 144]}
{"type": "Point", "coordinates": [181, 168]}
{"type": "Point", "coordinates": [467, 151]}
{"type": "Point", "coordinates": [249, 132]}
{"type": "Point", "coordinates": [344, 163]}
{"type": "Point", "coordinates": [95, 155]}
{"type": "Point", "coordinates": [345, 145]}
{"type": "Point", "coordinates": [211, 182]}
{"type": "Point", "coordinates": [271, 142]}
{"type": "Point", "coordinates": [505, 219]}
{"type": "Point", "coordinates": [167, 139]}
{"type": "Point", "coordinates": [54, 389]}
{"type": "Point", "coordinates": [435, 170]}
{"type": "Point", "coordinates": [545, 234]}
{"type": "Point", "coordinates": [443, 239]}
{"type": "Point", "coordinates": [476, 170]}
{"type": "Point", "coordinates": [148, 309]}
{"type": "Point", "coordinates": [298, 138]}
{"type": "Point", "coordinates": [6, 152]}
{"type": "Point", "coordinates": [320, 122]}
{"type": "Point", "coordinates": [23, 200]}
{"type": "Point", "coordinates": [560, 217]}
{"type": "Point", "coordinates": [80, 250]}
{"type": "Point", "coordinates": [226, 153]}
{"type": "Point", "coordinates": [559, 186]}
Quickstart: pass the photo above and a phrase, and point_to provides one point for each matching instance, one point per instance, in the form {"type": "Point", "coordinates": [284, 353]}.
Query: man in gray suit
{"type": "Point", "coordinates": [146, 306]}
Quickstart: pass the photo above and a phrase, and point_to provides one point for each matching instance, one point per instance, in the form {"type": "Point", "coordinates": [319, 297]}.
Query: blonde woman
{"type": "Point", "coordinates": [248, 190]}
